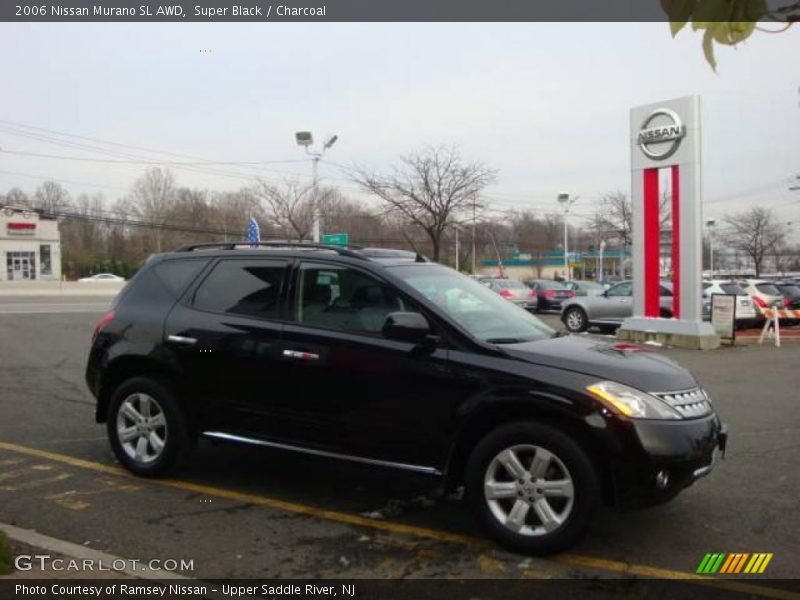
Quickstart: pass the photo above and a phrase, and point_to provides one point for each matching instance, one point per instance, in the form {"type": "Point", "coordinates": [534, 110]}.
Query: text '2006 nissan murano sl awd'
{"type": "Point", "coordinates": [402, 364]}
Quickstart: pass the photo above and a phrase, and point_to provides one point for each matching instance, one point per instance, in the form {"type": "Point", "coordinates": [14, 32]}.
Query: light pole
{"type": "Point", "coordinates": [600, 268]}
{"type": "Point", "coordinates": [710, 224]}
{"type": "Point", "coordinates": [565, 201]}
{"type": "Point", "coordinates": [305, 139]}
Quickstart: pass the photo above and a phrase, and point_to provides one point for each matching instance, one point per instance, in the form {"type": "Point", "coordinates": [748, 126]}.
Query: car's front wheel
{"type": "Point", "coordinates": [575, 319]}
{"type": "Point", "coordinates": [147, 429]}
{"type": "Point", "coordinates": [532, 487]}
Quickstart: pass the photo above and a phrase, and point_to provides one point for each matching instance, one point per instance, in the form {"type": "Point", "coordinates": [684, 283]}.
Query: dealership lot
{"type": "Point", "coordinates": [241, 512]}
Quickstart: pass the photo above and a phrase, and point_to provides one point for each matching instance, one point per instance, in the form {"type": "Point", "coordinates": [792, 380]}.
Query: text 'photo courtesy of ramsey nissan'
{"type": "Point", "coordinates": [389, 300]}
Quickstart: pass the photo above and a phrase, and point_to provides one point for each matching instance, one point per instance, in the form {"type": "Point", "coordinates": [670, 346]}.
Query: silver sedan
{"type": "Point", "coordinates": [609, 309]}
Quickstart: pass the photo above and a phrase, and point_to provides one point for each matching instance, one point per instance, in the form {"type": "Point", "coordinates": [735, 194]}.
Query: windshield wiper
{"type": "Point", "coordinates": [560, 333]}
{"type": "Point", "coordinates": [506, 340]}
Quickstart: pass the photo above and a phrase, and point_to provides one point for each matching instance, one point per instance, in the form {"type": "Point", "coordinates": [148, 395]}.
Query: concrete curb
{"type": "Point", "coordinates": [78, 552]}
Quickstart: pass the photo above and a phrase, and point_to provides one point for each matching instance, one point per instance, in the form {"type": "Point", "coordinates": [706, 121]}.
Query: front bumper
{"type": "Point", "coordinates": [671, 456]}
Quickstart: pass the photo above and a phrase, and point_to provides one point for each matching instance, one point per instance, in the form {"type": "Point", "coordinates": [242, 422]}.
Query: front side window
{"type": "Point", "coordinates": [481, 312]}
{"type": "Point", "coordinates": [344, 299]}
{"type": "Point", "coordinates": [243, 287]}
{"type": "Point", "coordinates": [622, 289]}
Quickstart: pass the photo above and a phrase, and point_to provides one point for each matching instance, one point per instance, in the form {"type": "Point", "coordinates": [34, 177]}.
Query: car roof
{"type": "Point", "coordinates": [349, 254]}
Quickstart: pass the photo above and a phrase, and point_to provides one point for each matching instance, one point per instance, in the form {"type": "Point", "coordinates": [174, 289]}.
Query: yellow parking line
{"type": "Point", "coordinates": [622, 568]}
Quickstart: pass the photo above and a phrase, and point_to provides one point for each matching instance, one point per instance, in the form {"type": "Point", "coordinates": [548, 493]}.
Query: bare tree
{"type": "Point", "coordinates": [613, 220]}
{"type": "Point", "coordinates": [430, 189]}
{"type": "Point", "coordinates": [756, 233]}
{"type": "Point", "coordinates": [289, 206]}
{"type": "Point", "coordinates": [51, 198]}
{"type": "Point", "coordinates": [16, 197]}
{"type": "Point", "coordinates": [152, 201]}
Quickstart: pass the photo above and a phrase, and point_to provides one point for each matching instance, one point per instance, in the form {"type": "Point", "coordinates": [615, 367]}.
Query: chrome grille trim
{"type": "Point", "coordinates": [691, 404]}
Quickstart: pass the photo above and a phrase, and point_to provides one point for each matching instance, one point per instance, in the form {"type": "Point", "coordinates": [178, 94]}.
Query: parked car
{"type": "Point", "coordinates": [609, 309]}
{"type": "Point", "coordinates": [549, 294]}
{"type": "Point", "coordinates": [514, 291]}
{"type": "Point", "coordinates": [585, 288]}
{"type": "Point", "coordinates": [791, 294]}
{"type": "Point", "coordinates": [399, 365]}
{"type": "Point", "coordinates": [763, 293]}
{"type": "Point", "coordinates": [101, 277]}
{"type": "Point", "coordinates": [746, 315]}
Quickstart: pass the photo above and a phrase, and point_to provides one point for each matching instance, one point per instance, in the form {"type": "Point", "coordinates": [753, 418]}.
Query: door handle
{"type": "Point", "coordinates": [179, 339]}
{"type": "Point", "coordinates": [297, 355]}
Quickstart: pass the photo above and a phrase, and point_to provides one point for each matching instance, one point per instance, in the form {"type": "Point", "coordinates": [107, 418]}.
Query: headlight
{"type": "Point", "coordinates": [630, 402]}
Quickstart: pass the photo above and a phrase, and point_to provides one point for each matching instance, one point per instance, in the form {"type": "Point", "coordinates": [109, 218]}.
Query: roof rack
{"type": "Point", "coordinates": [245, 244]}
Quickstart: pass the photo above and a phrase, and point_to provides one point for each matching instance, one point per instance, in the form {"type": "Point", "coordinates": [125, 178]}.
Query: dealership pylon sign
{"type": "Point", "coordinates": [666, 159]}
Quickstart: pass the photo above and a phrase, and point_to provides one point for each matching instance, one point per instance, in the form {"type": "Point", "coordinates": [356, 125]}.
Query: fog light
{"type": "Point", "coordinates": [662, 479]}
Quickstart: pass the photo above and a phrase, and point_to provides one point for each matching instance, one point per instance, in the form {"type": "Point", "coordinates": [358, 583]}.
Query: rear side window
{"type": "Point", "coordinates": [732, 288]}
{"type": "Point", "coordinates": [176, 274]}
{"type": "Point", "coordinates": [768, 289]}
{"type": "Point", "coordinates": [243, 287]}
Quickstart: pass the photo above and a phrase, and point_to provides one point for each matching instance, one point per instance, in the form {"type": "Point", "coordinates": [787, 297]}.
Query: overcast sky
{"type": "Point", "coordinates": [547, 105]}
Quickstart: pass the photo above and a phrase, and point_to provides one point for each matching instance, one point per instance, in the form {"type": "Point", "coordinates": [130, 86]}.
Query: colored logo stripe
{"type": "Point", "coordinates": [758, 563]}
{"type": "Point", "coordinates": [720, 562]}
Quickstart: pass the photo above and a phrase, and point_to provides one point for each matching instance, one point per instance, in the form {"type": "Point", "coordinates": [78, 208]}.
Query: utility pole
{"type": "Point", "coordinates": [305, 139]}
{"type": "Point", "coordinates": [474, 221]}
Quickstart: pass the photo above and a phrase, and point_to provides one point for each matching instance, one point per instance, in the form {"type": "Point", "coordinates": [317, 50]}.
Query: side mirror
{"type": "Point", "coordinates": [406, 327]}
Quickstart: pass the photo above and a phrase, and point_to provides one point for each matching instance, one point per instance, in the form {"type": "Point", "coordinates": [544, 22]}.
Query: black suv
{"type": "Point", "coordinates": [397, 362]}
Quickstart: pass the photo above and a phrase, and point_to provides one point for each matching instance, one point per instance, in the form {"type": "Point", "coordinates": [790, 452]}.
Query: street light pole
{"type": "Point", "coordinates": [711, 223]}
{"type": "Point", "coordinates": [564, 199]}
{"type": "Point", "coordinates": [305, 139]}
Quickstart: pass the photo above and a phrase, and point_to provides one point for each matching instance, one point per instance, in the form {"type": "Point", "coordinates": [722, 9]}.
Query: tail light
{"type": "Point", "coordinates": [533, 294]}
{"type": "Point", "coordinates": [506, 293]}
{"type": "Point", "coordinates": [759, 302]}
{"type": "Point", "coordinates": [549, 293]}
{"type": "Point", "coordinates": [787, 302]}
{"type": "Point", "coordinates": [570, 294]}
{"type": "Point", "coordinates": [107, 318]}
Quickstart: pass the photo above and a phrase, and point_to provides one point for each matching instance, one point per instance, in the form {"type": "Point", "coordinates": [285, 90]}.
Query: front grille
{"type": "Point", "coordinates": [690, 403]}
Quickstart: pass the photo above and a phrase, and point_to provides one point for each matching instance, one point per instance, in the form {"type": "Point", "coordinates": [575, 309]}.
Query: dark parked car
{"type": "Point", "coordinates": [791, 294]}
{"type": "Point", "coordinates": [549, 294]}
{"type": "Point", "coordinates": [396, 364]}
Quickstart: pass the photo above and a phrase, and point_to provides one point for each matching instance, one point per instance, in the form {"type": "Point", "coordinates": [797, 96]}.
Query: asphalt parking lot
{"type": "Point", "coordinates": [242, 512]}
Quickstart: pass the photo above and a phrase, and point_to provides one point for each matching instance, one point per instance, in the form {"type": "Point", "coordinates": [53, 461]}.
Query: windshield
{"type": "Point", "coordinates": [483, 313]}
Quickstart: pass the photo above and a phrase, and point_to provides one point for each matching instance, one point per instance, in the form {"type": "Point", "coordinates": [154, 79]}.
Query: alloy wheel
{"type": "Point", "coordinates": [574, 320]}
{"type": "Point", "coordinates": [529, 490]}
{"type": "Point", "coordinates": [141, 428]}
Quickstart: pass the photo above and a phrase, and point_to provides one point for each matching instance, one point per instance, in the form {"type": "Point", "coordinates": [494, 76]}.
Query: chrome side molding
{"type": "Point", "coordinates": [221, 435]}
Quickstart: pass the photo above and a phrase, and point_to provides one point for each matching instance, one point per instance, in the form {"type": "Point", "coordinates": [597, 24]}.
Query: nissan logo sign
{"type": "Point", "coordinates": [661, 141]}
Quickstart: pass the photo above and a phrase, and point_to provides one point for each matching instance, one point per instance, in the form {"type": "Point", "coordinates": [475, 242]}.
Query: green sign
{"type": "Point", "coordinates": [336, 239]}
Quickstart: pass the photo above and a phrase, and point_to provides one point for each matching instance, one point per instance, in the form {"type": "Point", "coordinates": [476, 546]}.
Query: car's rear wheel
{"type": "Point", "coordinates": [575, 319]}
{"type": "Point", "coordinates": [147, 429]}
{"type": "Point", "coordinates": [532, 487]}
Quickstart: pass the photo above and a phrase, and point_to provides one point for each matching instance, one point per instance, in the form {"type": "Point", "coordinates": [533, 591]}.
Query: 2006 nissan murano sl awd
{"type": "Point", "coordinates": [400, 363]}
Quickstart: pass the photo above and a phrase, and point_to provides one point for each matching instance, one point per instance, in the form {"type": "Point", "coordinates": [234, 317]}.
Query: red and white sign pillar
{"type": "Point", "coordinates": [665, 160]}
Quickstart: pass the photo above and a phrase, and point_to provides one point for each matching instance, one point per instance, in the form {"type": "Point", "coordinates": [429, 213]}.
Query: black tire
{"type": "Point", "coordinates": [586, 485]}
{"type": "Point", "coordinates": [579, 315]}
{"type": "Point", "coordinates": [178, 441]}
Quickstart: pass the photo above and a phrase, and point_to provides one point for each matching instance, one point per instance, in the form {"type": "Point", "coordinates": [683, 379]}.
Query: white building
{"type": "Point", "coordinates": [30, 245]}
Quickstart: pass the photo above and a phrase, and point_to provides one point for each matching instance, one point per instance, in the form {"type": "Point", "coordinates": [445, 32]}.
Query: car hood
{"type": "Point", "coordinates": [632, 364]}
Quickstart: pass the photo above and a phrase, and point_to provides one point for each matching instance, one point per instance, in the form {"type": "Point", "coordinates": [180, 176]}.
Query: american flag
{"type": "Point", "coordinates": [253, 235]}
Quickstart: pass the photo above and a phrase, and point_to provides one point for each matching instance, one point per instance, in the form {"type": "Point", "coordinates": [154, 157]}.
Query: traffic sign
{"type": "Point", "coordinates": [336, 239]}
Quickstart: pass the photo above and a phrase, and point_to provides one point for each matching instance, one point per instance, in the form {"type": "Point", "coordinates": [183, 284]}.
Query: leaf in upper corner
{"type": "Point", "coordinates": [679, 13]}
{"type": "Point", "coordinates": [708, 48]}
